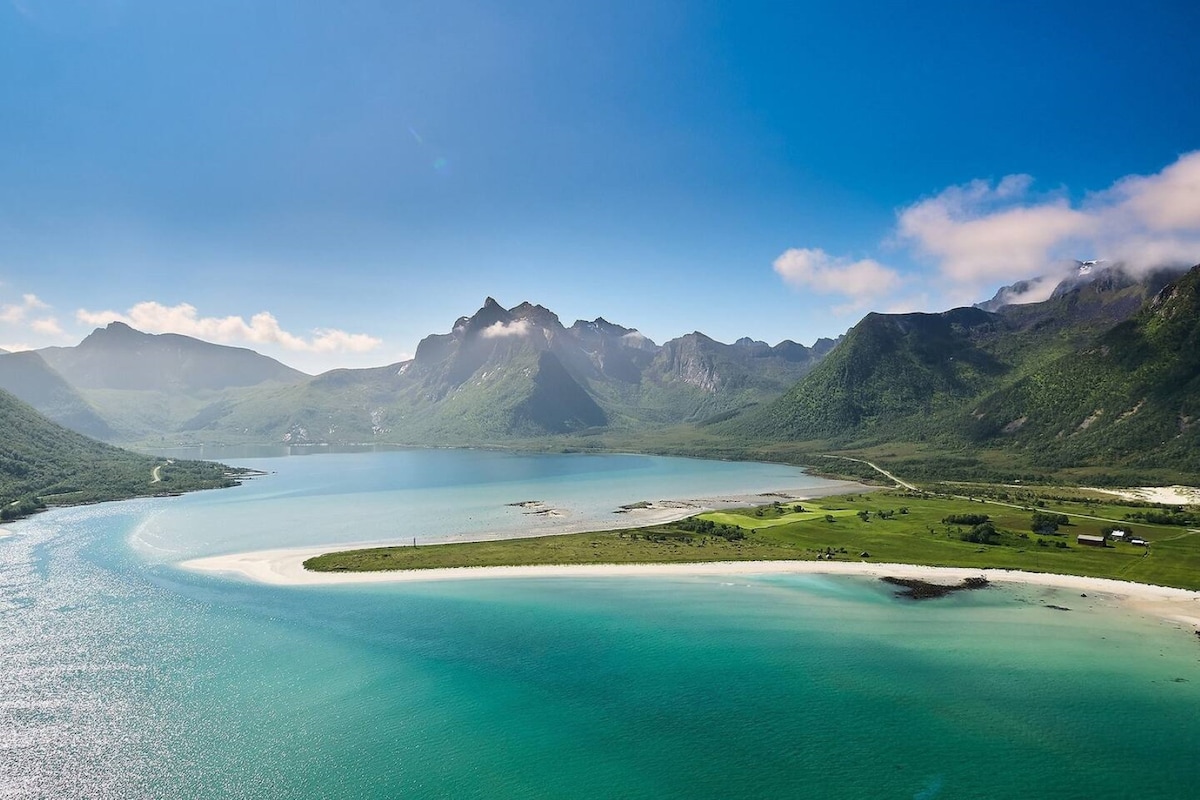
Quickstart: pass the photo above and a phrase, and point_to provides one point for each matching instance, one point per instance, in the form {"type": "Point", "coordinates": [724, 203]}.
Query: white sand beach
{"type": "Point", "coordinates": [285, 568]}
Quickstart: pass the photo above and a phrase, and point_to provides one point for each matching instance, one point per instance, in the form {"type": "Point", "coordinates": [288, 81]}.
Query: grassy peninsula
{"type": "Point", "coordinates": [886, 526]}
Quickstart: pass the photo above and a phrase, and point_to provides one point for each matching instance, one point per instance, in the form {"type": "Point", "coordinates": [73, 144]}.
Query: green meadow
{"type": "Point", "coordinates": [887, 526]}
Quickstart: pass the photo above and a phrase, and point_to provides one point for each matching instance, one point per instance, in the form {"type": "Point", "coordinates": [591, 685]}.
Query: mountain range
{"type": "Point", "coordinates": [1100, 375]}
{"type": "Point", "coordinates": [498, 373]}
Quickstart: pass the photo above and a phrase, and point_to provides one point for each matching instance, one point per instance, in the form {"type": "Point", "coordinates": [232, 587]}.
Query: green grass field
{"type": "Point", "coordinates": [912, 534]}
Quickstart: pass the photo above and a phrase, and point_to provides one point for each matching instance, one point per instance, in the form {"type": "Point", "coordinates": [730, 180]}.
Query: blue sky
{"type": "Point", "coordinates": [329, 182]}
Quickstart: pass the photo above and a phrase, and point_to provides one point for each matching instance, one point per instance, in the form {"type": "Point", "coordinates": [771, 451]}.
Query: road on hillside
{"type": "Point", "coordinates": [881, 471]}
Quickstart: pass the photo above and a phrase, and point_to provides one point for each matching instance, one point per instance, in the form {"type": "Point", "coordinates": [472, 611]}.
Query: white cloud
{"type": "Point", "coordinates": [983, 233]}
{"type": "Point", "coordinates": [518, 327]}
{"type": "Point", "coordinates": [976, 232]}
{"type": "Point", "coordinates": [262, 328]}
{"type": "Point", "coordinates": [1166, 202]}
{"type": "Point", "coordinates": [813, 268]}
{"type": "Point", "coordinates": [16, 347]}
{"type": "Point", "coordinates": [15, 313]}
{"type": "Point", "coordinates": [47, 325]}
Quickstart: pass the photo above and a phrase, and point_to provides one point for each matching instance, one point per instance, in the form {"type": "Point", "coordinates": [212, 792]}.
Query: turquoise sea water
{"type": "Point", "coordinates": [122, 676]}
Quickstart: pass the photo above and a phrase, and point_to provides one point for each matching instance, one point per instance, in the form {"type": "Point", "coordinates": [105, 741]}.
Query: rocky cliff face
{"type": "Point", "coordinates": [692, 360]}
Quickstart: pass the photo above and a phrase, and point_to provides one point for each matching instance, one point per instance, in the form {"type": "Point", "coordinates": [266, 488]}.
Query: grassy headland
{"type": "Point", "coordinates": [890, 526]}
{"type": "Point", "coordinates": [42, 463]}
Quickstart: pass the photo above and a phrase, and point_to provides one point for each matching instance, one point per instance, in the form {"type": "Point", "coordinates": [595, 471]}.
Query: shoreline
{"type": "Point", "coordinates": [285, 568]}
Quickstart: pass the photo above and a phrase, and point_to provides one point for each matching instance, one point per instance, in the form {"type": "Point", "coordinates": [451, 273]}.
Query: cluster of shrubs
{"type": "Point", "coordinates": [707, 527]}
{"type": "Point", "coordinates": [965, 519]}
{"type": "Point", "coordinates": [1047, 523]}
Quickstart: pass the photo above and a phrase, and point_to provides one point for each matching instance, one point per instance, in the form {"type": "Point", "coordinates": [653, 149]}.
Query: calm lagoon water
{"type": "Point", "coordinates": [122, 676]}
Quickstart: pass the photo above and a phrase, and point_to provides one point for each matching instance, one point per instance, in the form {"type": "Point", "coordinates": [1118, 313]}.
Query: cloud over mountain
{"type": "Point", "coordinates": [985, 232]}
{"type": "Point", "coordinates": [979, 232]}
{"type": "Point", "coordinates": [498, 330]}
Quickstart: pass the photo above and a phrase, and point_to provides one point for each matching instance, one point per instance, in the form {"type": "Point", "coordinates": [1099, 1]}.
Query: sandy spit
{"type": "Point", "coordinates": [285, 568]}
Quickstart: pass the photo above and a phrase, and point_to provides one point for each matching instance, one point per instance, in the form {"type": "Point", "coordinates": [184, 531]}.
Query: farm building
{"type": "Point", "coordinates": [1091, 541]}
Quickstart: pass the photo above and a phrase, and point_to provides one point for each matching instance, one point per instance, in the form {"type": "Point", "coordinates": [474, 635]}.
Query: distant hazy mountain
{"type": "Point", "coordinates": [29, 378]}
{"type": "Point", "coordinates": [119, 357]}
{"type": "Point", "coordinates": [147, 385]}
{"type": "Point", "coordinates": [1103, 371]}
{"type": "Point", "coordinates": [498, 373]}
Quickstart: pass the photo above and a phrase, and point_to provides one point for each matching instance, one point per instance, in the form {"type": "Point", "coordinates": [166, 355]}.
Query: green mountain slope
{"type": "Point", "coordinates": [888, 368]}
{"type": "Point", "coordinates": [1132, 396]}
{"type": "Point", "coordinates": [1102, 374]}
{"type": "Point", "coordinates": [39, 458]}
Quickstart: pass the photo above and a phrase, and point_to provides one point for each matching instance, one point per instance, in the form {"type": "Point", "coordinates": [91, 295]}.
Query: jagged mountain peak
{"type": "Point", "coordinates": [601, 325]}
{"type": "Point", "coordinates": [489, 314]}
{"type": "Point", "coordinates": [536, 314]}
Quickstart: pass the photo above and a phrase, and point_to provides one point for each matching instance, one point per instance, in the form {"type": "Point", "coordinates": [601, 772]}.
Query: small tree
{"type": "Point", "coordinates": [1045, 523]}
{"type": "Point", "coordinates": [983, 533]}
